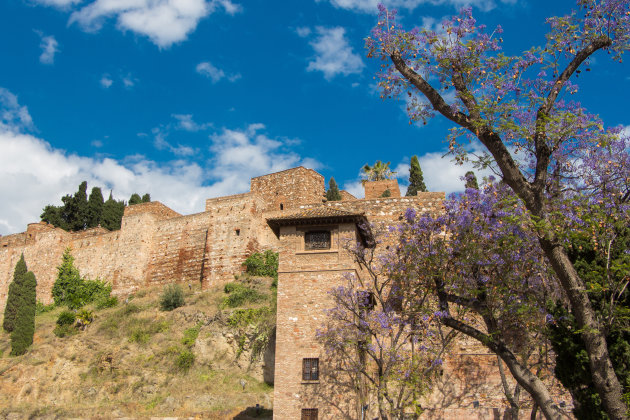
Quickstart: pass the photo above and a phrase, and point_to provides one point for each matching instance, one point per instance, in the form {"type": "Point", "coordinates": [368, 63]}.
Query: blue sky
{"type": "Point", "coordinates": [189, 99]}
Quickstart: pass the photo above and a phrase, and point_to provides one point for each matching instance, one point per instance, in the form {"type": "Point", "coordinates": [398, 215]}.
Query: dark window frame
{"type": "Point", "coordinates": [310, 369]}
{"type": "Point", "coordinates": [313, 243]}
{"type": "Point", "coordinates": [310, 414]}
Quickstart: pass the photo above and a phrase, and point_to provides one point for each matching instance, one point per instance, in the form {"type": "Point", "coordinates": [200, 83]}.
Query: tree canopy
{"type": "Point", "coordinates": [378, 172]}
{"type": "Point", "coordinates": [562, 165]}
{"type": "Point", "coordinates": [79, 213]}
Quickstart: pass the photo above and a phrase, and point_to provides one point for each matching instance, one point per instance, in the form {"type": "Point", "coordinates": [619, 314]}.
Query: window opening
{"type": "Point", "coordinates": [310, 369]}
{"type": "Point", "coordinates": [238, 232]}
{"type": "Point", "coordinates": [281, 206]}
{"type": "Point", "coordinates": [319, 239]}
{"type": "Point", "coordinates": [309, 413]}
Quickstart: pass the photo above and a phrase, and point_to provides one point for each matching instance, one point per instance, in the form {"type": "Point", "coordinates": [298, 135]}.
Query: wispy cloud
{"type": "Point", "coordinates": [50, 47]}
{"type": "Point", "coordinates": [13, 116]}
{"type": "Point", "coordinates": [333, 52]}
{"type": "Point", "coordinates": [106, 81]}
{"type": "Point", "coordinates": [371, 6]}
{"type": "Point", "coordinates": [205, 68]}
{"type": "Point", "coordinates": [185, 122]}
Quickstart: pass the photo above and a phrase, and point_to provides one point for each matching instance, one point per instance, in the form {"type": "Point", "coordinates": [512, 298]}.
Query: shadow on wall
{"type": "Point", "coordinates": [254, 413]}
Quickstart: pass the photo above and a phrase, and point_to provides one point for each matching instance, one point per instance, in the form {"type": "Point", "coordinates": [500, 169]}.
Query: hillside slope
{"type": "Point", "coordinates": [135, 360]}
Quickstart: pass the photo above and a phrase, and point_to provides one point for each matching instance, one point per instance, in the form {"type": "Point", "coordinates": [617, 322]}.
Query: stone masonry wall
{"type": "Point", "coordinates": [375, 189]}
{"type": "Point", "coordinates": [288, 189]}
{"type": "Point", "coordinates": [235, 231]}
{"type": "Point", "coordinates": [304, 279]}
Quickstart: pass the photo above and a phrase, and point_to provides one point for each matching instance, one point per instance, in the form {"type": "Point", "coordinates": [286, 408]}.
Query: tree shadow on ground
{"type": "Point", "coordinates": [254, 413]}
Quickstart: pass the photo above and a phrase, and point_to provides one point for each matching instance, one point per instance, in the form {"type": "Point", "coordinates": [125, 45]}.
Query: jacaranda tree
{"type": "Point", "coordinates": [538, 140]}
{"type": "Point", "coordinates": [383, 340]}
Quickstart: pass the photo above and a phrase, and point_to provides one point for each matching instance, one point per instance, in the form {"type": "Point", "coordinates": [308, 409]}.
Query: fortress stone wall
{"type": "Point", "coordinates": [156, 246]}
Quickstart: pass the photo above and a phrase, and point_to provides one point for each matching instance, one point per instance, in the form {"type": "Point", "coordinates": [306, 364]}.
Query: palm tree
{"type": "Point", "coordinates": [377, 172]}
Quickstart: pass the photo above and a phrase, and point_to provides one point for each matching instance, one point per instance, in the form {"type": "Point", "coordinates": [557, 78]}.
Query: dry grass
{"type": "Point", "coordinates": [125, 364]}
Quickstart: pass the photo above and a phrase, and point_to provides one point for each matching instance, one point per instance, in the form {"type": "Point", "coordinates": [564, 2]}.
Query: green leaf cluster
{"type": "Point", "coordinates": [262, 264]}
{"type": "Point", "coordinates": [78, 212]}
{"type": "Point", "coordinates": [73, 291]}
{"type": "Point", "coordinates": [15, 295]}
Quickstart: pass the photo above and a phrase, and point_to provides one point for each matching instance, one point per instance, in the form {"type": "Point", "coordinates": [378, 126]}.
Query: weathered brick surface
{"type": "Point", "coordinates": [288, 189]}
{"type": "Point", "coordinates": [375, 189]}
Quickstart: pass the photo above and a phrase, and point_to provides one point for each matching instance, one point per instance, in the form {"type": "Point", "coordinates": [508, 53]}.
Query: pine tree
{"type": "Point", "coordinates": [146, 198]}
{"type": "Point", "coordinates": [94, 208]}
{"type": "Point", "coordinates": [333, 193]}
{"type": "Point", "coordinates": [22, 335]}
{"type": "Point", "coordinates": [53, 215]}
{"type": "Point", "coordinates": [65, 290]}
{"type": "Point", "coordinates": [75, 208]}
{"type": "Point", "coordinates": [135, 199]}
{"type": "Point", "coordinates": [471, 180]}
{"type": "Point", "coordinates": [416, 179]}
{"type": "Point", "coordinates": [14, 297]}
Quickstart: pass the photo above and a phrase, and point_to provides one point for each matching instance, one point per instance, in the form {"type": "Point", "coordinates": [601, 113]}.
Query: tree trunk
{"type": "Point", "coordinates": [602, 372]}
{"type": "Point", "coordinates": [530, 382]}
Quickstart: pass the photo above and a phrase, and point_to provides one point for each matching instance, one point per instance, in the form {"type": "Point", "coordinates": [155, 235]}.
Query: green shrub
{"type": "Point", "coordinates": [64, 330]}
{"type": "Point", "coordinates": [106, 302]}
{"type": "Point", "coordinates": [84, 318]}
{"type": "Point", "coordinates": [129, 309]}
{"type": "Point", "coordinates": [185, 360]}
{"type": "Point", "coordinates": [142, 329]}
{"type": "Point", "coordinates": [190, 335]}
{"type": "Point", "coordinates": [386, 193]}
{"type": "Point", "coordinates": [72, 290]}
{"type": "Point", "coordinates": [172, 297]}
{"type": "Point", "coordinates": [41, 308]}
{"type": "Point", "coordinates": [139, 335]}
{"type": "Point", "coordinates": [239, 294]}
{"type": "Point", "coordinates": [262, 264]}
{"type": "Point", "coordinates": [66, 318]}
{"type": "Point", "coordinates": [241, 318]}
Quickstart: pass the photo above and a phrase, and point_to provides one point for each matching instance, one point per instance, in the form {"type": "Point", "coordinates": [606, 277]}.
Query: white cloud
{"type": "Point", "coordinates": [205, 68]}
{"type": "Point", "coordinates": [50, 47]}
{"type": "Point", "coordinates": [106, 81]}
{"type": "Point", "coordinates": [242, 154]}
{"type": "Point", "coordinates": [128, 81]}
{"type": "Point", "coordinates": [334, 54]}
{"type": "Point", "coordinates": [303, 31]}
{"type": "Point", "coordinates": [164, 22]}
{"type": "Point", "coordinates": [371, 6]}
{"type": "Point", "coordinates": [13, 117]}
{"type": "Point", "coordinates": [185, 122]}
{"type": "Point", "coordinates": [355, 188]}
{"type": "Point", "coordinates": [58, 3]}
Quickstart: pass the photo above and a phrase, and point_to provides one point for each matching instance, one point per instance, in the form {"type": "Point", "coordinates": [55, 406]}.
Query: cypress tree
{"type": "Point", "coordinates": [22, 335]}
{"type": "Point", "coordinates": [135, 199]}
{"type": "Point", "coordinates": [112, 213]}
{"type": "Point", "coordinates": [471, 180]}
{"type": "Point", "coordinates": [14, 297]}
{"type": "Point", "coordinates": [333, 193]}
{"type": "Point", "coordinates": [94, 208]}
{"type": "Point", "coordinates": [416, 179]}
{"type": "Point", "coordinates": [146, 198]}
